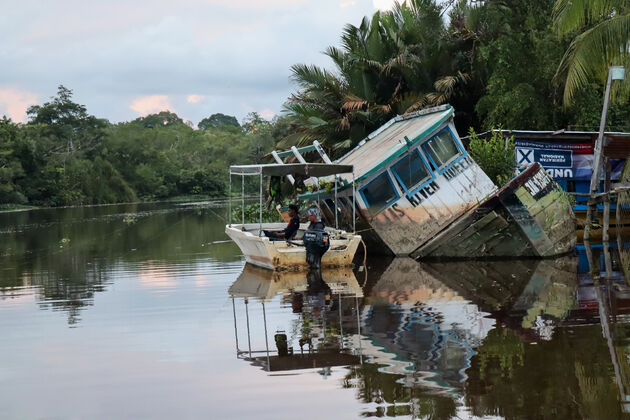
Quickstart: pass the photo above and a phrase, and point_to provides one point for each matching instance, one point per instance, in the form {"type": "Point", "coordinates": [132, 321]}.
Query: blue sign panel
{"type": "Point", "coordinates": [562, 161]}
{"type": "Point", "coordinates": [554, 158]}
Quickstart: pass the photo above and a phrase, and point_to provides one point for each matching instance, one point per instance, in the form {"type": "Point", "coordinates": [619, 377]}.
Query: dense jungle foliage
{"type": "Point", "coordinates": [518, 64]}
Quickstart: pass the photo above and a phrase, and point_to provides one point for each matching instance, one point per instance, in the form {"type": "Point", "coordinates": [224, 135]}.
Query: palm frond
{"type": "Point", "coordinates": [592, 52]}
{"type": "Point", "coordinates": [571, 15]}
{"type": "Point", "coordinates": [307, 76]}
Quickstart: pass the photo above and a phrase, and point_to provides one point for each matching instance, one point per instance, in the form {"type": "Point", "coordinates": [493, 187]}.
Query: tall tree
{"type": "Point", "coordinates": [218, 120]}
{"type": "Point", "coordinates": [68, 122]}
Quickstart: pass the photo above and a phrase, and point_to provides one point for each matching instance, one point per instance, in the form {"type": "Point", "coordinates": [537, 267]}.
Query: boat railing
{"type": "Point", "coordinates": [290, 170]}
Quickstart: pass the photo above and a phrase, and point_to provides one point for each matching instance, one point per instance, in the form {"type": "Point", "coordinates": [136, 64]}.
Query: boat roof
{"type": "Point", "coordinates": [306, 169]}
{"type": "Point", "coordinates": [393, 139]}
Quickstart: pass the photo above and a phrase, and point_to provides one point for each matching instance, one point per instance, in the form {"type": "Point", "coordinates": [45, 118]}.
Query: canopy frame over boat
{"type": "Point", "coordinates": [288, 169]}
{"type": "Point", "coordinates": [284, 255]}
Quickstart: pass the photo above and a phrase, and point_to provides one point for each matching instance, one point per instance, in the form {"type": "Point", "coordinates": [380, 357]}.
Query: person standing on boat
{"type": "Point", "coordinates": [313, 215]}
{"type": "Point", "coordinates": [315, 239]}
{"type": "Point", "coordinates": [289, 232]}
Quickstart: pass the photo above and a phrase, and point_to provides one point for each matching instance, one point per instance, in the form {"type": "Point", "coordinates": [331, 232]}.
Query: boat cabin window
{"type": "Point", "coordinates": [411, 171]}
{"type": "Point", "coordinates": [442, 149]}
{"type": "Point", "coordinates": [379, 193]}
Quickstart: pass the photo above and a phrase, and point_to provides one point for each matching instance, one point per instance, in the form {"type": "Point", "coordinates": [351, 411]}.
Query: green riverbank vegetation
{"type": "Point", "coordinates": [518, 64]}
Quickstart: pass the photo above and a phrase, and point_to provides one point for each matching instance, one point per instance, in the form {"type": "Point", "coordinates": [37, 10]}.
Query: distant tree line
{"type": "Point", "coordinates": [65, 156]}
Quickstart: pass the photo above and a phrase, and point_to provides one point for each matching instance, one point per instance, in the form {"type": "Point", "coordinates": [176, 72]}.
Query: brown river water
{"type": "Point", "coordinates": [147, 311]}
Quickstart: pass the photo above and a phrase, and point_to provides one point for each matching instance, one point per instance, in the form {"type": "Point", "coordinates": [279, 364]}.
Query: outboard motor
{"type": "Point", "coordinates": [317, 243]}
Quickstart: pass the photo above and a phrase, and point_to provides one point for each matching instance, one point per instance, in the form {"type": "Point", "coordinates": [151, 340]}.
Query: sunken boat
{"type": "Point", "coordinates": [419, 193]}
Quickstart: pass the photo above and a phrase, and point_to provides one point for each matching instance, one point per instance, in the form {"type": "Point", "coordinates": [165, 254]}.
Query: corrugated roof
{"type": "Point", "coordinates": [388, 142]}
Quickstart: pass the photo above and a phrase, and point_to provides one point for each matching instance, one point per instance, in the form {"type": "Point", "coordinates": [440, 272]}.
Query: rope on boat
{"type": "Point", "coordinates": [364, 261]}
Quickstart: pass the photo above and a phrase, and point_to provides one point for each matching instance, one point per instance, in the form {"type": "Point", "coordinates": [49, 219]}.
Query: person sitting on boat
{"type": "Point", "coordinates": [289, 232]}
{"type": "Point", "coordinates": [314, 216]}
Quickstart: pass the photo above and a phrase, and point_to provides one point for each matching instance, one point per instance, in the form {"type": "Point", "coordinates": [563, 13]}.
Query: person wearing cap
{"type": "Point", "coordinates": [315, 218]}
{"type": "Point", "coordinates": [289, 232]}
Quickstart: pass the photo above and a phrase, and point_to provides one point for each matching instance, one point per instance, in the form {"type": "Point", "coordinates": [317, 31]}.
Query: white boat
{"type": "Point", "coordinates": [289, 255]}
{"type": "Point", "coordinates": [282, 255]}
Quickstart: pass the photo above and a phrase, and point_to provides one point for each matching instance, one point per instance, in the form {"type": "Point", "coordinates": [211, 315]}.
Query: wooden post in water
{"type": "Point", "coordinates": [614, 73]}
{"type": "Point", "coordinates": [605, 229]}
{"type": "Point", "coordinates": [619, 227]}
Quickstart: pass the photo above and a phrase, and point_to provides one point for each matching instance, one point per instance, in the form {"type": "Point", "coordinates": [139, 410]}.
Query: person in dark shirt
{"type": "Point", "coordinates": [289, 232]}
{"type": "Point", "coordinates": [315, 219]}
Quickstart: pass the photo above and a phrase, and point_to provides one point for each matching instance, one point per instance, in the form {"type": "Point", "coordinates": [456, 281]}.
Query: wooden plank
{"type": "Point", "coordinates": [471, 246]}
{"type": "Point", "coordinates": [525, 197]}
{"type": "Point", "coordinates": [454, 233]}
{"type": "Point", "coordinates": [489, 231]}
{"type": "Point", "coordinates": [544, 202]}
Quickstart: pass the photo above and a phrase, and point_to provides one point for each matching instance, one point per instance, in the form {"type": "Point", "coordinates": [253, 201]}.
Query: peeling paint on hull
{"type": "Point", "coordinates": [413, 221]}
{"type": "Point", "coordinates": [529, 217]}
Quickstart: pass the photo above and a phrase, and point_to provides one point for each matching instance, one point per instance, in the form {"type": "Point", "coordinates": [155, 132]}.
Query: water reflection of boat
{"type": "Point", "coordinates": [521, 293]}
{"type": "Point", "coordinates": [418, 327]}
{"type": "Point", "coordinates": [425, 320]}
{"type": "Point", "coordinates": [323, 301]}
{"type": "Point", "coordinates": [256, 282]}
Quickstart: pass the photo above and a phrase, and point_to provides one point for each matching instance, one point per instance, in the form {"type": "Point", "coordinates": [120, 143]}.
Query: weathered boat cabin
{"type": "Point", "coordinates": [414, 178]}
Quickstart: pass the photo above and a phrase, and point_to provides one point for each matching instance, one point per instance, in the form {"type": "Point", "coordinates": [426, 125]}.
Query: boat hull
{"type": "Point", "coordinates": [529, 217]}
{"type": "Point", "coordinates": [279, 255]}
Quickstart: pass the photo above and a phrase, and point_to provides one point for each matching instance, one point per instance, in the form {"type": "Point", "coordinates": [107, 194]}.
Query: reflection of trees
{"type": "Point", "coordinates": [69, 254]}
{"type": "Point", "coordinates": [548, 380]}
{"type": "Point", "coordinates": [504, 346]}
{"type": "Point", "coordinates": [72, 291]}
{"type": "Point", "coordinates": [394, 398]}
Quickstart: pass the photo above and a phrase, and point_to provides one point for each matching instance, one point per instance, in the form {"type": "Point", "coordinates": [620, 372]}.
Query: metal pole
{"type": "Point", "coordinates": [266, 340]}
{"type": "Point", "coordinates": [235, 330]}
{"type": "Point", "coordinates": [243, 199]}
{"type": "Point", "coordinates": [260, 203]}
{"type": "Point", "coordinates": [230, 202]}
{"type": "Point", "coordinates": [597, 162]}
{"type": "Point", "coordinates": [354, 205]}
{"type": "Point", "coordinates": [249, 340]}
{"type": "Point", "coordinates": [336, 211]}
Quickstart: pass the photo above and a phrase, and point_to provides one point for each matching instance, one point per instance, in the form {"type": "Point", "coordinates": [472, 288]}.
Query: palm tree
{"type": "Point", "coordinates": [603, 39]}
{"type": "Point", "coordinates": [385, 66]}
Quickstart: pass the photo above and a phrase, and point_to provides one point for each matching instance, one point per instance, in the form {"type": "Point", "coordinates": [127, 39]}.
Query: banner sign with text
{"type": "Point", "coordinates": [562, 161]}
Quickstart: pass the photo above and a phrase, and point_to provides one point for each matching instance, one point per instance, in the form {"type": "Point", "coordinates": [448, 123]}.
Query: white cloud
{"type": "Point", "coordinates": [194, 99]}
{"type": "Point", "coordinates": [14, 102]}
{"type": "Point", "coordinates": [152, 104]}
{"type": "Point", "coordinates": [267, 114]}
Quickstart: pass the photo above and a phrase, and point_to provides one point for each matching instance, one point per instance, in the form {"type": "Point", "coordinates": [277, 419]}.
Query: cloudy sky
{"type": "Point", "coordinates": [123, 58]}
